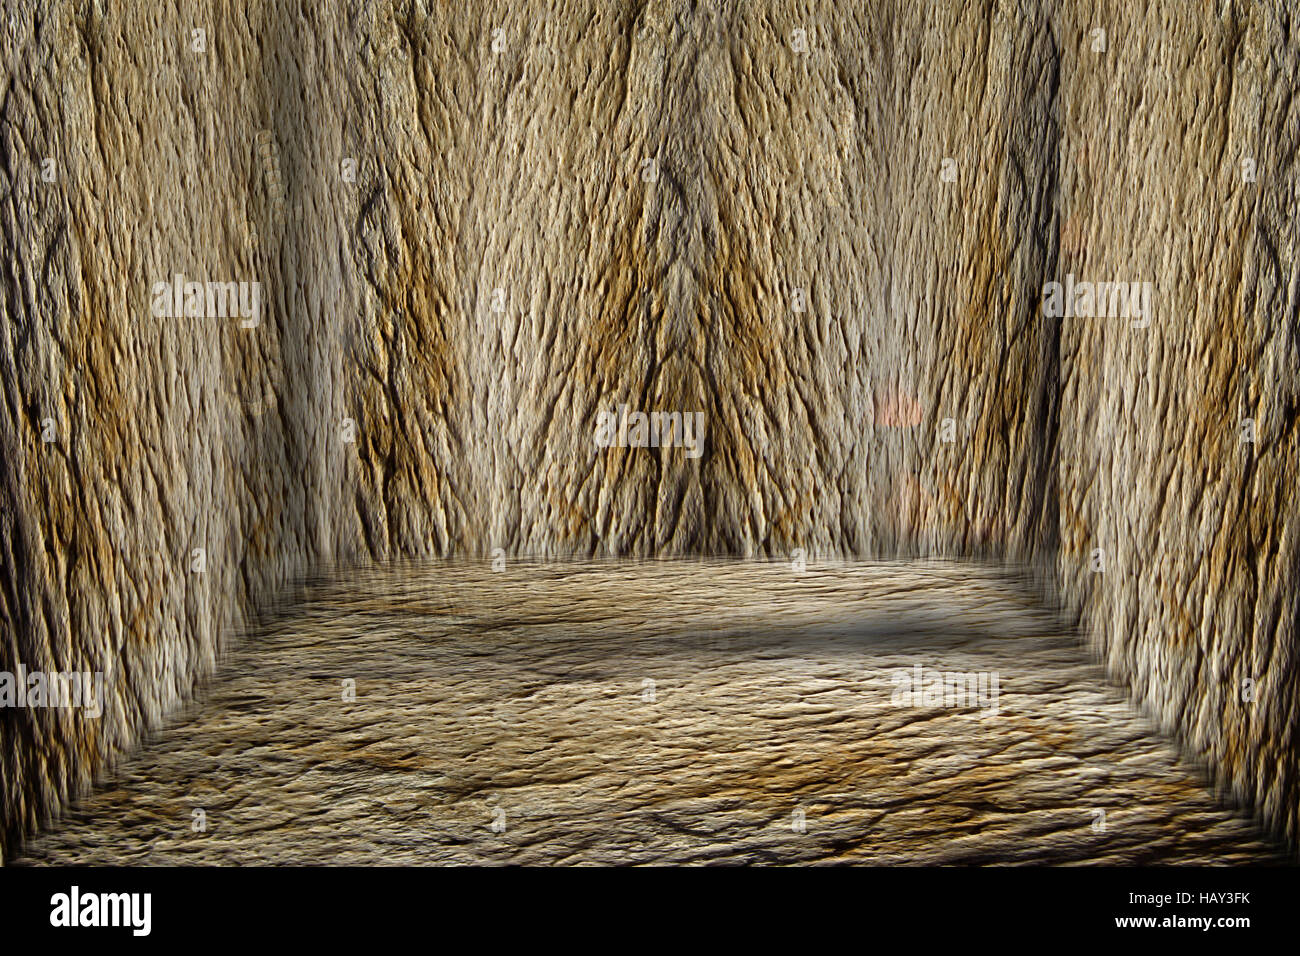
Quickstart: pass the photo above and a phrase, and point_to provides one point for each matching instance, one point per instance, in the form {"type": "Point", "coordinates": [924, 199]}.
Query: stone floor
{"type": "Point", "coordinates": [668, 712]}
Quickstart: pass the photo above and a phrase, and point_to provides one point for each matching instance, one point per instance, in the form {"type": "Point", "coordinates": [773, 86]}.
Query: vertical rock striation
{"type": "Point", "coordinates": [1197, 609]}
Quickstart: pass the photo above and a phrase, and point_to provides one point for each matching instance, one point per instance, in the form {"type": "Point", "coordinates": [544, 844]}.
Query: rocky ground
{"type": "Point", "coordinates": [667, 712]}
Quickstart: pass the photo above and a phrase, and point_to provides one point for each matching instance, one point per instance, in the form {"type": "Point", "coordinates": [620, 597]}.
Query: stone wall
{"type": "Point", "coordinates": [1196, 609]}
{"type": "Point", "coordinates": [136, 450]}
{"type": "Point", "coordinates": [826, 226]}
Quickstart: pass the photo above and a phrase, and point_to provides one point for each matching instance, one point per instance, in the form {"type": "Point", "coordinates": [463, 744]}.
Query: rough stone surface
{"type": "Point", "coordinates": [1201, 591]}
{"type": "Point", "coordinates": [166, 435]}
{"type": "Point", "coordinates": [520, 699]}
{"type": "Point", "coordinates": [525, 170]}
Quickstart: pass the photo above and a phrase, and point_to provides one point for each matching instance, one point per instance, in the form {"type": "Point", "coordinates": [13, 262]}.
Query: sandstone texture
{"type": "Point", "coordinates": [826, 226]}
{"type": "Point", "coordinates": [567, 714]}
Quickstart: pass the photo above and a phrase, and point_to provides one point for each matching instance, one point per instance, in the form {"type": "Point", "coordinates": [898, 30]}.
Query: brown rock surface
{"type": "Point", "coordinates": [685, 206]}
{"type": "Point", "coordinates": [520, 699]}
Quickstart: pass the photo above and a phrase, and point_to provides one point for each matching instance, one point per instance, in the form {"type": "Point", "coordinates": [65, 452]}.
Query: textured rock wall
{"type": "Point", "coordinates": [674, 206]}
{"type": "Point", "coordinates": [732, 208]}
{"type": "Point", "coordinates": [1198, 527]}
{"type": "Point", "coordinates": [127, 441]}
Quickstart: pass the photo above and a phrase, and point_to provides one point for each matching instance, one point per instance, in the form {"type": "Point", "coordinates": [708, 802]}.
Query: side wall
{"type": "Point", "coordinates": [128, 443]}
{"type": "Point", "coordinates": [1196, 609]}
